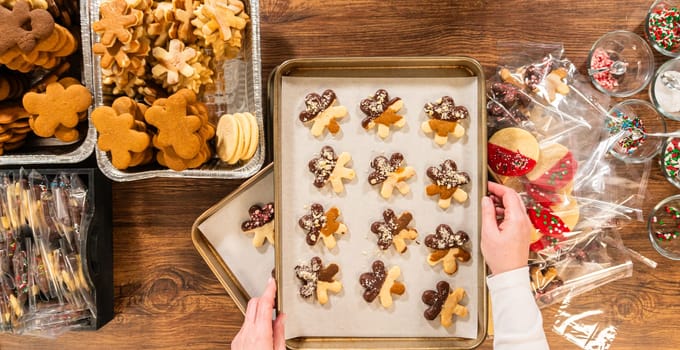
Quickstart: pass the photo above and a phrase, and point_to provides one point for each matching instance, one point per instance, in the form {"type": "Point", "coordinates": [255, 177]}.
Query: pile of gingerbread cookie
{"type": "Point", "coordinates": [540, 135]}
{"type": "Point", "coordinates": [162, 55]}
{"type": "Point", "coordinates": [38, 91]}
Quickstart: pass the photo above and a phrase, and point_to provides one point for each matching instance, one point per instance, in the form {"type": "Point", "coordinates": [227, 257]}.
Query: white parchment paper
{"type": "Point", "coordinates": [251, 266]}
{"type": "Point", "coordinates": [347, 314]}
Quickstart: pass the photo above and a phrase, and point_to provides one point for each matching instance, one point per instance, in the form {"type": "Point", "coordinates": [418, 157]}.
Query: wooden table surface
{"type": "Point", "coordinates": [167, 298]}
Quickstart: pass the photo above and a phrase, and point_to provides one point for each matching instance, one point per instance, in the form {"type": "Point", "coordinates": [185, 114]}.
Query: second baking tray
{"type": "Point", "coordinates": [347, 321]}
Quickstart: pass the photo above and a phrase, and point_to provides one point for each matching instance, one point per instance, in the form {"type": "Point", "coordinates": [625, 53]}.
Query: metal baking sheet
{"type": "Point", "coordinates": [347, 321]}
{"type": "Point", "coordinates": [240, 90]}
{"type": "Point", "coordinates": [242, 269]}
{"type": "Point", "coordinates": [39, 150]}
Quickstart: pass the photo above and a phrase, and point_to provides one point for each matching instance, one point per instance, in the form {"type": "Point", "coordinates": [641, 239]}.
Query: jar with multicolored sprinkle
{"type": "Point", "coordinates": [629, 124]}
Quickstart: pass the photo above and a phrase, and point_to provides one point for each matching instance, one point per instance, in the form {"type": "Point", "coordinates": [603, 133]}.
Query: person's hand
{"type": "Point", "coordinates": [506, 230]}
{"type": "Point", "coordinates": [259, 332]}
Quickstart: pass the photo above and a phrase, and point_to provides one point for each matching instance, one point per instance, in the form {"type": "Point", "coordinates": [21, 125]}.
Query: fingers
{"type": "Point", "coordinates": [265, 304]}
{"type": "Point", "coordinates": [514, 207]}
{"type": "Point", "coordinates": [251, 310]}
{"type": "Point", "coordinates": [279, 335]}
{"type": "Point", "coordinates": [489, 224]}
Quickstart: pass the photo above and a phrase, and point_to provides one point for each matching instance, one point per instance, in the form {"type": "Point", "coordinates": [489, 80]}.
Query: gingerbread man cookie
{"type": "Point", "coordinates": [445, 118]}
{"type": "Point", "coordinates": [260, 224]}
{"type": "Point", "coordinates": [390, 173]}
{"type": "Point", "coordinates": [328, 167]}
{"type": "Point", "coordinates": [381, 283]}
{"type": "Point", "coordinates": [119, 134]}
{"type": "Point", "coordinates": [394, 230]}
{"type": "Point", "coordinates": [23, 27]}
{"type": "Point", "coordinates": [447, 248]}
{"type": "Point", "coordinates": [446, 182]}
{"type": "Point", "coordinates": [445, 303]}
{"type": "Point", "coordinates": [320, 112]}
{"type": "Point", "coordinates": [318, 280]}
{"type": "Point", "coordinates": [382, 111]}
{"type": "Point", "coordinates": [325, 225]}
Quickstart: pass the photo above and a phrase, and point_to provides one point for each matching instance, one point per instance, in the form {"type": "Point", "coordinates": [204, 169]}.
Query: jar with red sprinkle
{"type": "Point", "coordinates": [662, 27]}
{"type": "Point", "coordinates": [670, 160]}
{"type": "Point", "coordinates": [663, 226]}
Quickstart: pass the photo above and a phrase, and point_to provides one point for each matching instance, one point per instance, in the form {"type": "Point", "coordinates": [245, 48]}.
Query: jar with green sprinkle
{"type": "Point", "coordinates": [662, 27]}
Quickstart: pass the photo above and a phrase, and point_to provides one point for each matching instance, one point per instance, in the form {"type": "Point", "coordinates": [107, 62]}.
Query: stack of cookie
{"type": "Point", "coordinates": [123, 133]}
{"type": "Point", "coordinates": [13, 127]}
{"type": "Point", "coordinates": [57, 111]}
{"type": "Point", "coordinates": [183, 130]}
{"type": "Point", "coordinates": [43, 44]}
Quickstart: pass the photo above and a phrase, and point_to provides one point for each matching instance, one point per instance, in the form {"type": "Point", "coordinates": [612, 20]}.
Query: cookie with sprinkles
{"type": "Point", "coordinates": [445, 118]}
{"type": "Point", "coordinates": [512, 152]}
{"type": "Point", "coordinates": [394, 230]}
{"type": "Point", "coordinates": [391, 173]}
{"type": "Point", "coordinates": [330, 168]}
{"type": "Point", "coordinates": [318, 280]}
{"type": "Point", "coordinates": [549, 228]}
{"type": "Point", "coordinates": [447, 248]}
{"type": "Point", "coordinates": [321, 113]}
{"type": "Point", "coordinates": [382, 111]}
{"type": "Point", "coordinates": [447, 182]}
{"type": "Point", "coordinates": [325, 225]}
{"type": "Point", "coordinates": [260, 224]}
{"type": "Point", "coordinates": [555, 168]}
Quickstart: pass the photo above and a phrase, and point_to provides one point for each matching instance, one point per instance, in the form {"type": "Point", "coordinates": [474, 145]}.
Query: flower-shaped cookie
{"type": "Point", "coordinates": [328, 167]}
{"type": "Point", "coordinates": [317, 279]}
{"type": "Point", "coordinates": [319, 224]}
{"type": "Point", "coordinates": [382, 111]}
{"type": "Point", "coordinates": [394, 230]}
{"type": "Point", "coordinates": [173, 62]}
{"type": "Point", "coordinates": [445, 119]}
{"type": "Point", "coordinates": [447, 247]}
{"type": "Point", "coordinates": [381, 283]}
{"type": "Point", "coordinates": [445, 303]}
{"type": "Point", "coordinates": [320, 112]}
{"type": "Point", "coordinates": [260, 224]}
{"type": "Point", "coordinates": [391, 173]}
{"type": "Point", "coordinates": [446, 183]}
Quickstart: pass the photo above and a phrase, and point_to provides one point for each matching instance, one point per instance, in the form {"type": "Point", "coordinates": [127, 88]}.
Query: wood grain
{"type": "Point", "coordinates": [167, 298]}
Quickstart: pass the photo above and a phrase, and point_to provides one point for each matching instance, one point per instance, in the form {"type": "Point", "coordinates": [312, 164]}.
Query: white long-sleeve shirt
{"type": "Point", "coordinates": [518, 324]}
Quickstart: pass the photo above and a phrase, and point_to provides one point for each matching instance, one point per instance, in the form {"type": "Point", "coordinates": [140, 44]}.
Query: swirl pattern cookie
{"type": "Point", "coordinates": [390, 173]}
{"type": "Point", "coordinates": [325, 225]}
{"type": "Point", "coordinates": [445, 303]}
{"type": "Point", "coordinates": [445, 118]}
{"type": "Point", "coordinates": [260, 224]}
{"type": "Point", "coordinates": [321, 114]}
{"type": "Point", "coordinates": [318, 280]}
{"type": "Point", "coordinates": [447, 248]}
{"type": "Point", "coordinates": [394, 230]}
{"type": "Point", "coordinates": [329, 168]}
{"type": "Point", "coordinates": [446, 183]}
{"type": "Point", "coordinates": [382, 283]}
{"type": "Point", "coordinates": [381, 111]}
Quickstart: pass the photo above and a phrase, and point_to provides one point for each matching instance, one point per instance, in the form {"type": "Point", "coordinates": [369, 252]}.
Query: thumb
{"type": "Point", "coordinates": [489, 223]}
{"type": "Point", "coordinates": [279, 336]}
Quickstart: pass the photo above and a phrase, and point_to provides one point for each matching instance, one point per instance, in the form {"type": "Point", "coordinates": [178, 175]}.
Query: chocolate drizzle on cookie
{"type": "Point", "coordinates": [373, 281]}
{"type": "Point", "coordinates": [259, 216]}
{"type": "Point", "coordinates": [445, 238]}
{"type": "Point", "coordinates": [446, 109]}
{"type": "Point", "coordinates": [383, 167]}
{"type": "Point", "coordinates": [310, 275]}
{"type": "Point", "coordinates": [313, 223]}
{"type": "Point", "coordinates": [375, 106]}
{"type": "Point", "coordinates": [390, 227]}
{"type": "Point", "coordinates": [435, 300]}
{"type": "Point", "coordinates": [323, 166]}
{"type": "Point", "coordinates": [315, 104]}
{"type": "Point", "coordinates": [447, 175]}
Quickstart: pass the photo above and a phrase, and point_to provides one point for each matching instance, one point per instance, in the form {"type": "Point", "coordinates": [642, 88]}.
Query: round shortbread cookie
{"type": "Point", "coordinates": [245, 132]}
{"type": "Point", "coordinates": [512, 152]}
{"type": "Point", "coordinates": [568, 211]}
{"type": "Point", "coordinates": [254, 136]}
{"type": "Point", "coordinates": [240, 141]}
{"type": "Point", "coordinates": [227, 137]}
{"type": "Point", "coordinates": [555, 167]}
